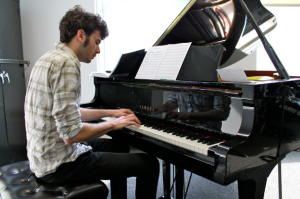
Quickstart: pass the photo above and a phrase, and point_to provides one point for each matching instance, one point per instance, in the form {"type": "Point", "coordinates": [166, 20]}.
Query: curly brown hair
{"type": "Point", "coordinates": [77, 18]}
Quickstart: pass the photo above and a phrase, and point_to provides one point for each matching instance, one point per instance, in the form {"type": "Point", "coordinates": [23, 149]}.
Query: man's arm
{"type": "Point", "coordinates": [210, 115]}
{"type": "Point", "coordinates": [93, 131]}
{"type": "Point", "coordinates": [168, 106]}
{"type": "Point", "coordinates": [219, 112]}
{"type": "Point", "coordinates": [95, 114]}
{"type": "Point", "coordinates": [67, 115]}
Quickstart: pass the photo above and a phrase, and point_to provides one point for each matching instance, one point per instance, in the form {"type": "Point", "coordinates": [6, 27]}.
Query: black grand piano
{"type": "Point", "coordinates": [223, 131]}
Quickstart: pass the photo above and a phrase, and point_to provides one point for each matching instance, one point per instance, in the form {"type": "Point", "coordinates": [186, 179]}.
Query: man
{"type": "Point", "coordinates": [62, 149]}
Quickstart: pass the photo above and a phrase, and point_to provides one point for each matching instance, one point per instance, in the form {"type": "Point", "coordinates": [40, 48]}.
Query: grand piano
{"type": "Point", "coordinates": [222, 131]}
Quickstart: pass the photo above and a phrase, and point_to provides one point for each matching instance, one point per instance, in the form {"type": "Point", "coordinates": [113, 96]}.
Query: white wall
{"type": "Point", "coordinates": [40, 30]}
{"type": "Point", "coordinates": [284, 40]}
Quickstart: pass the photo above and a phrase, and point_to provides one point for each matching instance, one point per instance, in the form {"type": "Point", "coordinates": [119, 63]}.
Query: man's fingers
{"type": "Point", "coordinates": [178, 118]}
{"type": "Point", "coordinates": [132, 117]}
{"type": "Point", "coordinates": [128, 111]}
{"type": "Point", "coordinates": [137, 120]}
{"type": "Point", "coordinates": [170, 115]}
{"type": "Point", "coordinates": [135, 124]}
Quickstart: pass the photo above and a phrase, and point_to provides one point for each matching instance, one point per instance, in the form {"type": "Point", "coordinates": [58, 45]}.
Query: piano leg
{"type": "Point", "coordinates": [179, 175]}
{"type": "Point", "coordinates": [179, 183]}
{"type": "Point", "coordinates": [166, 179]}
{"type": "Point", "coordinates": [252, 185]}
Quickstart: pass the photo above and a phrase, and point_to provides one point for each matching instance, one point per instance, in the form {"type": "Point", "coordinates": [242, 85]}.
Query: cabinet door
{"type": "Point", "coordinates": [3, 136]}
{"type": "Point", "coordinates": [14, 96]}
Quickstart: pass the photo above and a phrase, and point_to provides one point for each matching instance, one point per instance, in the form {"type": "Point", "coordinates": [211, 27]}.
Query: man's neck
{"type": "Point", "coordinates": [73, 46]}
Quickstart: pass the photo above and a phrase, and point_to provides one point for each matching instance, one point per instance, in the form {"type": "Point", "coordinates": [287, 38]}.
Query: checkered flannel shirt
{"type": "Point", "coordinates": [52, 110]}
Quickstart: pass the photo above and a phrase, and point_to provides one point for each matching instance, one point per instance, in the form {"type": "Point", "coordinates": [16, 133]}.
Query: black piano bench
{"type": "Point", "coordinates": [18, 182]}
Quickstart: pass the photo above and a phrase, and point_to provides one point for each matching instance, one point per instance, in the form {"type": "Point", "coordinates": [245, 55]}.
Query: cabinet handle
{"type": "Point", "coordinates": [2, 77]}
{"type": "Point", "coordinates": [7, 76]}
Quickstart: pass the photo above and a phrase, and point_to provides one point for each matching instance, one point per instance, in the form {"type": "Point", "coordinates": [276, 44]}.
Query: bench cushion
{"type": "Point", "coordinates": [17, 181]}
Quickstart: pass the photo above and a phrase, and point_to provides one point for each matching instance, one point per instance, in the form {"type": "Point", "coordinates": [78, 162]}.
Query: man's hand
{"type": "Point", "coordinates": [168, 106]}
{"type": "Point", "coordinates": [120, 112]}
{"type": "Point", "coordinates": [92, 131]}
{"type": "Point", "coordinates": [159, 109]}
{"type": "Point", "coordinates": [177, 116]}
{"type": "Point", "coordinates": [124, 121]}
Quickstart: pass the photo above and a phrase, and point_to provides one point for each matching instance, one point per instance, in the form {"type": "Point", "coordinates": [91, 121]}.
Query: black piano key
{"type": "Point", "coordinates": [162, 127]}
{"type": "Point", "coordinates": [203, 140]}
{"type": "Point", "coordinates": [168, 129]}
{"type": "Point", "coordinates": [155, 127]}
{"type": "Point", "coordinates": [191, 136]}
{"type": "Point", "coordinates": [199, 136]}
{"type": "Point", "coordinates": [176, 132]}
{"type": "Point", "coordinates": [181, 135]}
{"type": "Point", "coordinates": [186, 131]}
{"type": "Point", "coordinates": [212, 141]}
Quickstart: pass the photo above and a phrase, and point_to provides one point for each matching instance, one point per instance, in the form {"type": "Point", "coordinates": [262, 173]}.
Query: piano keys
{"type": "Point", "coordinates": [178, 137]}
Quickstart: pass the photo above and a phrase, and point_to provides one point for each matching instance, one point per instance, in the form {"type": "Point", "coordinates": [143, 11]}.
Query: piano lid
{"type": "Point", "coordinates": [210, 22]}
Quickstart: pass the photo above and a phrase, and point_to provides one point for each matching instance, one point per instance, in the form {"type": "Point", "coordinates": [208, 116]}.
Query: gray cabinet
{"type": "Point", "coordinates": [12, 95]}
{"type": "Point", "coordinates": [12, 124]}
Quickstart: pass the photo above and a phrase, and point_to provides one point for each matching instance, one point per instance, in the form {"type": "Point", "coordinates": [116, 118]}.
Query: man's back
{"type": "Point", "coordinates": [52, 110]}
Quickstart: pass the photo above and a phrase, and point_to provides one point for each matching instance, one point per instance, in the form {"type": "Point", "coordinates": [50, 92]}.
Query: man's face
{"type": "Point", "coordinates": [90, 48]}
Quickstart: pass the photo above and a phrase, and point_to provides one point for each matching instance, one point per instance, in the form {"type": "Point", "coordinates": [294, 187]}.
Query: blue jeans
{"type": "Point", "coordinates": [110, 159]}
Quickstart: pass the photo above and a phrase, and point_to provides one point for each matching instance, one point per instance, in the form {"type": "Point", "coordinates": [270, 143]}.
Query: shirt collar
{"type": "Point", "coordinates": [64, 47]}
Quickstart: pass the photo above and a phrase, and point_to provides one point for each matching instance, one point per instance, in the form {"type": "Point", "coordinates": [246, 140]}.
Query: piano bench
{"type": "Point", "coordinates": [17, 182]}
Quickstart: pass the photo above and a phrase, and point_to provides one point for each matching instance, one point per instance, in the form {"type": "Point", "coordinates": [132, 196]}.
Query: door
{"type": "Point", "coordinates": [13, 91]}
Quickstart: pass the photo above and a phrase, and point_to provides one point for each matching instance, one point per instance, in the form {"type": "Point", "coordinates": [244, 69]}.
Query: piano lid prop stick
{"type": "Point", "coordinates": [269, 49]}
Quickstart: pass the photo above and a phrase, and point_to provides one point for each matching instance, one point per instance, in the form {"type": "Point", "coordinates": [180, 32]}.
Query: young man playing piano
{"type": "Point", "coordinates": [60, 147]}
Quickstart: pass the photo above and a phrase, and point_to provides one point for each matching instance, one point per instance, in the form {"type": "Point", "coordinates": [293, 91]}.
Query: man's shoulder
{"type": "Point", "coordinates": [56, 56]}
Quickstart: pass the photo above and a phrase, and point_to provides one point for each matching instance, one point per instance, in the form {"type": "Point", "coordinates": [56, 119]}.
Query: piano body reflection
{"type": "Point", "coordinates": [223, 131]}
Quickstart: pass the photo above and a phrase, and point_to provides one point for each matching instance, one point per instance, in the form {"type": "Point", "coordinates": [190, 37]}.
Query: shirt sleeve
{"type": "Point", "coordinates": [65, 86]}
{"type": "Point", "coordinates": [222, 103]}
{"type": "Point", "coordinates": [173, 97]}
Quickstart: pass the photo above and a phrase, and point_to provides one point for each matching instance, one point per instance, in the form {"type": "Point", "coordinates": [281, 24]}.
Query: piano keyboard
{"type": "Point", "coordinates": [195, 142]}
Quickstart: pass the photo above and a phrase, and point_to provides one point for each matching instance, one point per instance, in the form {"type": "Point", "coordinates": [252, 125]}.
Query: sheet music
{"type": "Point", "coordinates": [233, 75]}
{"type": "Point", "coordinates": [151, 62]}
{"type": "Point", "coordinates": [172, 61]}
{"type": "Point", "coordinates": [163, 62]}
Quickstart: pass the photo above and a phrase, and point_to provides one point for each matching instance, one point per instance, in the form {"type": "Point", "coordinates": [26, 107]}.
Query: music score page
{"type": "Point", "coordinates": [163, 62]}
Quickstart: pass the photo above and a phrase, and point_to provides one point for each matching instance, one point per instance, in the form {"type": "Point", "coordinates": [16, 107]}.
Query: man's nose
{"type": "Point", "coordinates": [98, 50]}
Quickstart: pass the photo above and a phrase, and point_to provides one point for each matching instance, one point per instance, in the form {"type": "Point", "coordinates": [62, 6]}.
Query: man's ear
{"type": "Point", "coordinates": [80, 36]}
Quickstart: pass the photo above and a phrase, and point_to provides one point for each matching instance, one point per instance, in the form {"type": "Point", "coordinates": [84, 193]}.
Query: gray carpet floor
{"type": "Point", "coordinates": [202, 188]}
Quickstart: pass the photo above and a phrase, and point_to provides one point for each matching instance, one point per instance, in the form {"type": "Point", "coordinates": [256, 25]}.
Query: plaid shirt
{"type": "Point", "coordinates": [192, 103]}
{"type": "Point", "coordinates": [52, 111]}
